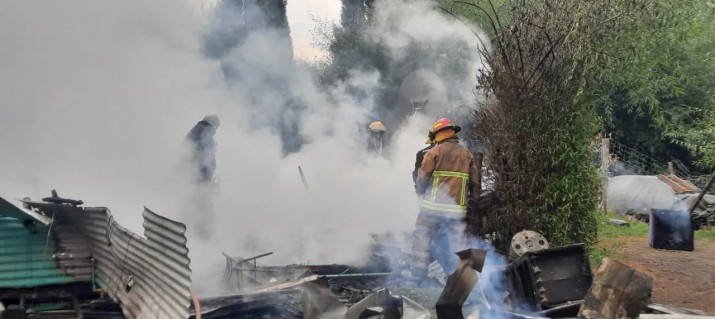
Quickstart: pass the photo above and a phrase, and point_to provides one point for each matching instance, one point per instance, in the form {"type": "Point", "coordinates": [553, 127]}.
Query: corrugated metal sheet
{"type": "Point", "coordinates": [158, 265]}
{"type": "Point", "coordinates": [26, 256]}
{"type": "Point", "coordinates": [72, 252]}
{"type": "Point", "coordinates": [8, 209]}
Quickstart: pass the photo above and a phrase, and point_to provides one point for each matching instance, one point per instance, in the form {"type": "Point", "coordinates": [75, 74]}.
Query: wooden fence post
{"type": "Point", "coordinates": [605, 163]}
{"type": "Point", "coordinates": [671, 171]}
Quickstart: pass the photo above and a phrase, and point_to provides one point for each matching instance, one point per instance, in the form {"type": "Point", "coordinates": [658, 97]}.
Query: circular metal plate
{"type": "Point", "coordinates": [527, 241]}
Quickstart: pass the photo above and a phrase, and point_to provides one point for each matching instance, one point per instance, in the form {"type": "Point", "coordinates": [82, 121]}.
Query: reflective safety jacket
{"type": "Point", "coordinates": [446, 177]}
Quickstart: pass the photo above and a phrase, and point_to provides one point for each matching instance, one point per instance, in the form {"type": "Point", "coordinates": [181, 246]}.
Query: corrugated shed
{"type": "Point", "coordinates": [149, 277]}
{"type": "Point", "coordinates": [26, 256]}
{"type": "Point", "coordinates": [72, 252]}
{"type": "Point", "coordinates": [8, 209]}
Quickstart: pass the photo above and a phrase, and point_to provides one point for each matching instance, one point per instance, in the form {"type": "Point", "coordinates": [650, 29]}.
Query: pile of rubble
{"type": "Point", "coordinates": [60, 260]}
{"type": "Point", "coordinates": [306, 291]}
{"type": "Point", "coordinates": [538, 282]}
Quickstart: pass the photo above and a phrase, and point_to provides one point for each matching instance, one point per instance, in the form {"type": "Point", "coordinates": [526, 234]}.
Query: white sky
{"type": "Point", "coordinates": [301, 18]}
{"type": "Point", "coordinates": [301, 15]}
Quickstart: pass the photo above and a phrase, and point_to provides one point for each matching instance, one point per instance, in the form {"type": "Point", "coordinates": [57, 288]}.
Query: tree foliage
{"type": "Point", "coordinates": [486, 14]}
{"type": "Point", "coordinates": [653, 84]}
{"type": "Point", "coordinates": [700, 139]}
{"type": "Point", "coordinates": [655, 78]}
{"type": "Point", "coordinates": [536, 124]}
{"type": "Point", "coordinates": [639, 70]}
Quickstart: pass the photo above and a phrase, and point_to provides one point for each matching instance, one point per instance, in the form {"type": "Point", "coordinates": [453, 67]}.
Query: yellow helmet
{"type": "Point", "coordinates": [377, 126]}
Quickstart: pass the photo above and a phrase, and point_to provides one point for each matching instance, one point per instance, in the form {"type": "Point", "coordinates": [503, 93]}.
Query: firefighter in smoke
{"type": "Point", "coordinates": [421, 155]}
{"type": "Point", "coordinates": [203, 148]}
{"type": "Point", "coordinates": [445, 180]}
{"type": "Point", "coordinates": [377, 136]}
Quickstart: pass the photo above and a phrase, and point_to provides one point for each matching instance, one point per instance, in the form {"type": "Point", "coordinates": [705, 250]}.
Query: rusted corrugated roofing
{"type": "Point", "coordinates": [149, 277]}
{"type": "Point", "coordinates": [678, 184]}
{"type": "Point", "coordinates": [26, 256]}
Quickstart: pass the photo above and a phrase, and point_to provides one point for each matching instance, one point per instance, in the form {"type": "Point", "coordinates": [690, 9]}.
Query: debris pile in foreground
{"type": "Point", "coordinates": [60, 260]}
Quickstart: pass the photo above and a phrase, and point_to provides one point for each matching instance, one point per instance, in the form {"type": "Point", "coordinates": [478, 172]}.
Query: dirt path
{"type": "Point", "coordinates": [680, 278]}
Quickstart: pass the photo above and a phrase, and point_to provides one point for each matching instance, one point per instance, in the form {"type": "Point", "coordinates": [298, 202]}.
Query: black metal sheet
{"type": "Point", "coordinates": [551, 277]}
{"type": "Point", "coordinates": [671, 229]}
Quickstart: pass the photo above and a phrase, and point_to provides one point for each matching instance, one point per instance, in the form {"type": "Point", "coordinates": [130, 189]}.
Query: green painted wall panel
{"type": "Point", "coordinates": [26, 257]}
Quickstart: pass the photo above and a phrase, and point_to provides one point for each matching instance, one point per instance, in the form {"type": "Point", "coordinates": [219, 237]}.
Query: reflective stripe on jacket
{"type": "Point", "coordinates": [447, 175]}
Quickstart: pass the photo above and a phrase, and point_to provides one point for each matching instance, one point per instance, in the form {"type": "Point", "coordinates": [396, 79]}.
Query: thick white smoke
{"type": "Point", "coordinates": [96, 97]}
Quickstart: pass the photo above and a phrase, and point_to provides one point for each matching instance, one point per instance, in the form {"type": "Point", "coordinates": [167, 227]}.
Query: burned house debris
{"type": "Point", "coordinates": [31, 281]}
{"type": "Point", "coordinates": [145, 276]}
{"type": "Point", "coordinates": [540, 282]}
{"type": "Point", "coordinates": [61, 260]}
{"type": "Point", "coordinates": [460, 283]}
{"type": "Point", "coordinates": [618, 291]}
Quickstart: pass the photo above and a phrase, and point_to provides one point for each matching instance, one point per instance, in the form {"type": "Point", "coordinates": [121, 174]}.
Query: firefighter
{"type": "Point", "coordinates": [377, 135]}
{"type": "Point", "coordinates": [203, 148]}
{"type": "Point", "coordinates": [446, 177]}
{"type": "Point", "coordinates": [421, 155]}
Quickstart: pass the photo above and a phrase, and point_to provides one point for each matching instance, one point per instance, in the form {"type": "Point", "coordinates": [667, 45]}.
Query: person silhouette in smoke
{"type": "Point", "coordinates": [377, 136]}
{"type": "Point", "coordinates": [203, 148]}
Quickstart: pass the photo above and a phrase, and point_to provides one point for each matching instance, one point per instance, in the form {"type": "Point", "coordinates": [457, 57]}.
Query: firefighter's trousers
{"type": "Point", "coordinates": [437, 236]}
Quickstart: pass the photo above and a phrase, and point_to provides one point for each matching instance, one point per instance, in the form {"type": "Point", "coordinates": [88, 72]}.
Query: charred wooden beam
{"type": "Point", "coordinates": [618, 291]}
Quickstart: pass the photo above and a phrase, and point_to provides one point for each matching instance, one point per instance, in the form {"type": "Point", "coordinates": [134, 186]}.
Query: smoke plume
{"type": "Point", "coordinates": [97, 97]}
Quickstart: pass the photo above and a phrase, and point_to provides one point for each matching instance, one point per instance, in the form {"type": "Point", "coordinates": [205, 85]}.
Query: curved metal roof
{"type": "Point", "coordinates": [148, 276]}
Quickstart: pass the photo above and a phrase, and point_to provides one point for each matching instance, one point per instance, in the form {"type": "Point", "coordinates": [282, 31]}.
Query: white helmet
{"type": "Point", "coordinates": [213, 120]}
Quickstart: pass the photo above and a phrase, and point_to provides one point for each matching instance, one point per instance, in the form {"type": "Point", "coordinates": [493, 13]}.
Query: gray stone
{"type": "Point", "coordinates": [618, 222]}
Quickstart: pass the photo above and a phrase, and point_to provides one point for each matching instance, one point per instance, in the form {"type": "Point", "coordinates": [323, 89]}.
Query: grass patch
{"type": "Point", "coordinates": [611, 237]}
{"type": "Point", "coordinates": [705, 234]}
{"type": "Point", "coordinates": [600, 251]}
{"type": "Point", "coordinates": [607, 231]}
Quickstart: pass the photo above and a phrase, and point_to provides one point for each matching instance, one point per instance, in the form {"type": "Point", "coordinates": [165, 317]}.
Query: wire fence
{"type": "Point", "coordinates": [630, 161]}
